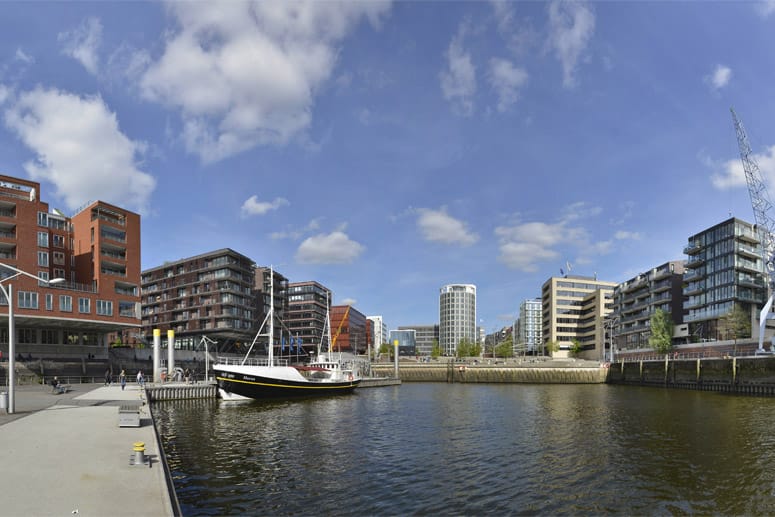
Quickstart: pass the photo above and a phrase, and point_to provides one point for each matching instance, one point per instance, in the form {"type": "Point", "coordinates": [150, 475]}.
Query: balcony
{"type": "Point", "coordinates": [695, 262]}
{"type": "Point", "coordinates": [748, 251]}
{"type": "Point", "coordinates": [750, 281]}
{"type": "Point", "coordinates": [693, 248]}
{"type": "Point", "coordinates": [747, 235]}
{"type": "Point", "coordinates": [694, 288]}
{"type": "Point", "coordinates": [694, 274]}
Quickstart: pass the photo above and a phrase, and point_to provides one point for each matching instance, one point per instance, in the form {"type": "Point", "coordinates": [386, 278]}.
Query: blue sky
{"type": "Point", "coordinates": [386, 149]}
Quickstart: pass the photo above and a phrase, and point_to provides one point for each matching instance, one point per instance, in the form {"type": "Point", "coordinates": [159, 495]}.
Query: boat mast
{"type": "Point", "coordinates": [270, 317]}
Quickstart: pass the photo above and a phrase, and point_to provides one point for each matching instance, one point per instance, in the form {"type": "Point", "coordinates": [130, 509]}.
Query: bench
{"type": "Point", "coordinates": [128, 416]}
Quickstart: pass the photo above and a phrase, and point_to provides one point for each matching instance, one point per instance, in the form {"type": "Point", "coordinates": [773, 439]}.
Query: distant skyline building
{"type": "Point", "coordinates": [573, 308]}
{"type": "Point", "coordinates": [457, 317]}
{"type": "Point", "coordinates": [379, 334]}
{"type": "Point", "coordinates": [529, 337]}
{"type": "Point", "coordinates": [306, 313]}
{"type": "Point", "coordinates": [407, 343]}
{"type": "Point", "coordinates": [425, 335]}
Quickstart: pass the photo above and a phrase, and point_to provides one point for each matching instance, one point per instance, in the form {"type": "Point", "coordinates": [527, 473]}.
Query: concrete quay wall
{"type": "Point", "coordinates": [494, 374]}
{"type": "Point", "coordinates": [743, 375]}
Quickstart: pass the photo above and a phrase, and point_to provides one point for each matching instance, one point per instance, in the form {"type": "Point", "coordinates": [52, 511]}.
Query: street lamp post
{"type": "Point", "coordinates": [207, 341]}
{"type": "Point", "coordinates": [12, 329]}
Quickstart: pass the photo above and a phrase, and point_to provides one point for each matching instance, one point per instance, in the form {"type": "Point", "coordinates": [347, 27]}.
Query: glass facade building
{"type": "Point", "coordinates": [407, 344]}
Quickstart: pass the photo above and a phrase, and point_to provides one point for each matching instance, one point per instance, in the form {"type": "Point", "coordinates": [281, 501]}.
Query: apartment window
{"type": "Point", "coordinates": [49, 302]}
{"type": "Point", "coordinates": [58, 241]}
{"type": "Point", "coordinates": [59, 258]}
{"type": "Point", "coordinates": [84, 305]}
{"type": "Point", "coordinates": [59, 273]}
{"type": "Point", "coordinates": [104, 308]}
{"type": "Point", "coordinates": [28, 300]}
{"type": "Point", "coordinates": [65, 303]}
{"type": "Point", "coordinates": [49, 337]}
{"type": "Point", "coordinates": [43, 275]}
{"type": "Point", "coordinates": [43, 258]}
{"type": "Point", "coordinates": [42, 219]}
{"type": "Point", "coordinates": [43, 239]}
{"type": "Point", "coordinates": [26, 336]}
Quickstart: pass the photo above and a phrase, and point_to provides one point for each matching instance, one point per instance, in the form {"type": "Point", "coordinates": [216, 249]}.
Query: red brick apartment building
{"type": "Point", "coordinates": [96, 252]}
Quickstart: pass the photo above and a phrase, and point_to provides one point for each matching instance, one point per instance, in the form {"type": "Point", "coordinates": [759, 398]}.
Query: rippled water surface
{"type": "Point", "coordinates": [457, 449]}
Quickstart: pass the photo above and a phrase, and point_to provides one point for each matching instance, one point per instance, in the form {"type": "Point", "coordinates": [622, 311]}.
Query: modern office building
{"type": "Point", "coordinates": [724, 269]}
{"type": "Point", "coordinates": [425, 336]}
{"type": "Point", "coordinates": [407, 345]}
{"type": "Point", "coordinates": [306, 314]}
{"type": "Point", "coordinates": [207, 295]}
{"type": "Point", "coordinates": [379, 332]}
{"type": "Point", "coordinates": [637, 299]}
{"type": "Point", "coordinates": [573, 308]}
{"type": "Point", "coordinates": [457, 317]}
{"type": "Point", "coordinates": [529, 336]}
{"type": "Point", "coordinates": [95, 258]}
{"type": "Point", "coordinates": [263, 284]}
{"type": "Point", "coordinates": [348, 329]}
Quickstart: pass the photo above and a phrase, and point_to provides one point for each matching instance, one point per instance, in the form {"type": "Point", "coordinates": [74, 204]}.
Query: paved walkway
{"type": "Point", "coordinates": [66, 454]}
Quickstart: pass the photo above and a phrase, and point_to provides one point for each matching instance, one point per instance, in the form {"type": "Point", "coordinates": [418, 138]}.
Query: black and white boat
{"type": "Point", "coordinates": [258, 378]}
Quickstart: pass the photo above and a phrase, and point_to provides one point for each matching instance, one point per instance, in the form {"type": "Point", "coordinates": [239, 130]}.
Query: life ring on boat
{"type": "Point", "coordinates": [350, 377]}
{"type": "Point", "coordinates": [462, 368]}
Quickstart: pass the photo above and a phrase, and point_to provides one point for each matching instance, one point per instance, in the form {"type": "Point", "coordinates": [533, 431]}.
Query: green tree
{"type": "Point", "coordinates": [467, 348]}
{"type": "Point", "coordinates": [552, 346]}
{"type": "Point", "coordinates": [575, 347]}
{"type": "Point", "coordinates": [735, 324]}
{"type": "Point", "coordinates": [661, 338]}
{"type": "Point", "coordinates": [504, 349]}
{"type": "Point", "coordinates": [385, 348]}
{"type": "Point", "coordinates": [435, 349]}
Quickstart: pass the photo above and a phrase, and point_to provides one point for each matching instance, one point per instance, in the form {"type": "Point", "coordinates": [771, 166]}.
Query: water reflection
{"type": "Point", "coordinates": [473, 449]}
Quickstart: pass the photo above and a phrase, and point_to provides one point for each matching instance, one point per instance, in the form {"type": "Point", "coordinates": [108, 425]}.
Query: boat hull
{"type": "Point", "coordinates": [234, 385]}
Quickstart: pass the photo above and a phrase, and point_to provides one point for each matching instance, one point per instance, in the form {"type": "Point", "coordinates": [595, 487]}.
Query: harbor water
{"type": "Point", "coordinates": [452, 449]}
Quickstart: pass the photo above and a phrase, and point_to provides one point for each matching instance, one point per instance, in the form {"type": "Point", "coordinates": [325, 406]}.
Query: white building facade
{"type": "Point", "coordinates": [530, 336]}
{"type": "Point", "coordinates": [457, 316]}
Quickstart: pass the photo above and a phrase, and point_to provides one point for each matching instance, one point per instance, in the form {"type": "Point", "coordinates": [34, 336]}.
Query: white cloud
{"type": "Point", "coordinates": [23, 57]}
{"type": "Point", "coordinates": [438, 226]}
{"type": "Point", "coordinates": [332, 248]}
{"type": "Point", "coordinates": [246, 73]}
{"type": "Point", "coordinates": [82, 43]}
{"type": "Point", "coordinates": [625, 235]}
{"type": "Point", "coordinates": [80, 149]}
{"type": "Point", "coordinates": [294, 233]}
{"type": "Point", "coordinates": [571, 26]}
{"type": "Point", "coordinates": [719, 78]}
{"type": "Point", "coordinates": [458, 80]}
{"type": "Point", "coordinates": [506, 79]}
{"type": "Point", "coordinates": [348, 301]}
{"type": "Point", "coordinates": [765, 8]}
{"type": "Point", "coordinates": [732, 174]}
{"type": "Point", "coordinates": [252, 206]}
{"type": "Point", "coordinates": [524, 246]}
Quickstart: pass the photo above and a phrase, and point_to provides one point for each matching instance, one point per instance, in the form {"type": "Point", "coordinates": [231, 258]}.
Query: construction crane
{"type": "Point", "coordinates": [339, 328]}
{"type": "Point", "coordinates": [764, 223]}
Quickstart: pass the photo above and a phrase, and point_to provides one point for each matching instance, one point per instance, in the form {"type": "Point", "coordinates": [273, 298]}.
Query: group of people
{"type": "Point", "coordinates": [122, 378]}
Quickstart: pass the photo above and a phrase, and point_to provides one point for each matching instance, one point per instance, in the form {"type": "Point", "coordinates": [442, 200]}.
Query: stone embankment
{"type": "Point", "coordinates": [548, 372]}
{"type": "Point", "coordinates": [744, 375]}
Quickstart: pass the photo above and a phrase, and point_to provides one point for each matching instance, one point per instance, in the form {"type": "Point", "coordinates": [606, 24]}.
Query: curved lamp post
{"type": "Point", "coordinates": [8, 293]}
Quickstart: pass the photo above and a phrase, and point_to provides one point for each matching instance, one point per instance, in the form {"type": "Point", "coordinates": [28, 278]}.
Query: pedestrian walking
{"type": "Point", "coordinates": [122, 379]}
{"type": "Point", "coordinates": [140, 378]}
{"type": "Point", "coordinates": [107, 377]}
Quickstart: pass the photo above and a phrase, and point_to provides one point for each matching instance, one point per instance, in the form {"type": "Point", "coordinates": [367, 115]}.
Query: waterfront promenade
{"type": "Point", "coordinates": [66, 454]}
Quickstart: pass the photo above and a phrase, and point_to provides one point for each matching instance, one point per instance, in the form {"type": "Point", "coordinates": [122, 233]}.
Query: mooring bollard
{"type": "Point", "coordinates": [139, 452]}
{"type": "Point", "coordinates": [139, 458]}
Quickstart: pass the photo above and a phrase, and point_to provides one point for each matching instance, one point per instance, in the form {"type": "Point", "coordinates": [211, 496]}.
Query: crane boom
{"type": "Point", "coordinates": [761, 204]}
{"type": "Point", "coordinates": [339, 328]}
